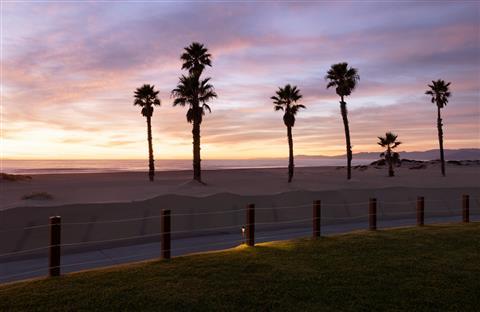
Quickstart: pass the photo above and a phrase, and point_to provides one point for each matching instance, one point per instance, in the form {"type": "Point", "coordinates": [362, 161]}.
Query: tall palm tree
{"type": "Point", "coordinates": [286, 100]}
{"type": "Point", "coordinates": [344, 79]}
{"type": "Point", "coordinates": [147, 98]}
{"type": "Point", "coordinates": [195, 93]}
{"type": "Point", "coordinates": [391, 157]}
{"type": "Point", "coordinates": [440, 94]}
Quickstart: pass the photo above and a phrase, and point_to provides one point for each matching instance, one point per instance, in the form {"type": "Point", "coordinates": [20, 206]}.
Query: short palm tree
{"type": "Point", "coordinates": [391, 157]}
{"type": "Point", "coordinates": [440, 94]}
{"type": "Point", "coordinates": [286, 100]}
{"type": "Point", "coordinates": [147, 98]}
{"type": "Point", "coordinates": [344, 79]}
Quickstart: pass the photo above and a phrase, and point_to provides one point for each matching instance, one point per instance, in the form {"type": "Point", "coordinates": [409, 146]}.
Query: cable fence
{"type": "Point", "coordinates": [310, 222]}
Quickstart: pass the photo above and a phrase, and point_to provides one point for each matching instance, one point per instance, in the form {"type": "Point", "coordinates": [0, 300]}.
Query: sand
{"type": "Point", "coordinates": [134, 186]}
{"type": "Point", "coordinates": [92, 200]}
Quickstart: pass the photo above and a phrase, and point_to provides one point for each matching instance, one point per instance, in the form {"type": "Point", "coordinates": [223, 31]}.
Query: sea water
{"type": "Point", "coordinates": [94, 166]}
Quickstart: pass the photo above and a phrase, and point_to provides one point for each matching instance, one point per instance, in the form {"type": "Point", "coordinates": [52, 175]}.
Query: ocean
{"type": "Point", "coordinates": [94, 166]}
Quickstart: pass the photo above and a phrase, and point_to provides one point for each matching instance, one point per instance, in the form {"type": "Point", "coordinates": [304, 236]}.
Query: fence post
{"type": "Point", "coordinates": [466, 208]}
{"type": "Point", "coordinates": [250, 231]}
{"type": "Point", "coordinates": [372, 214]}
{"type": "Point", "coordinates": [54, 250]}
{"type": "Point", "coordinates": [165, 235]}
{"type": "Point", "coordinates": [420, 211]}
{"type": "Point", "coordinates": [316, 218]}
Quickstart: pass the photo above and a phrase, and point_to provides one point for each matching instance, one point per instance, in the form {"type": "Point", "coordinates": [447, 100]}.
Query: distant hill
{"type": "Point", "coordinates": [450, 154]}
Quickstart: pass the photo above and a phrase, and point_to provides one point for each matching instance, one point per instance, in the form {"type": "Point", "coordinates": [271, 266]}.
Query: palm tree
{"type": "Point", "coordinates": [195, 93]}
{"type": "Point", "coordinates": [390, 142]}
{"type": "Point", "coordinates": [285, 100]}
{"type": "Point", "coordinates": [440, 94]}
{"type": "Point", "coordinates": [344, 79]}
{"type": "Point", "coordinates": [147, 98]}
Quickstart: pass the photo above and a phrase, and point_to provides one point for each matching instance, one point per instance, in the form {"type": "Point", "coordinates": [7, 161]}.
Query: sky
{"type": "Point", "coordinates": [69, 70]}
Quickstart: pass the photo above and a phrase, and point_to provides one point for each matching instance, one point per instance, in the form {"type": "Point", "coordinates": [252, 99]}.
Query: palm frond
{"type": "Point", "coordinates": [180, 101]}
{"type": "Point", "coordinates": [206, 107]}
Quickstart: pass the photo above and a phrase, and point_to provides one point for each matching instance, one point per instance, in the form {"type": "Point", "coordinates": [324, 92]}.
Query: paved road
{"type": "Point", "coordinates": [71, 262]}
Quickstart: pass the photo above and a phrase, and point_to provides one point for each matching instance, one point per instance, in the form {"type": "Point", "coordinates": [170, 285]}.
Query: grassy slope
{"type": "Point", "coordinates": [430, 268]}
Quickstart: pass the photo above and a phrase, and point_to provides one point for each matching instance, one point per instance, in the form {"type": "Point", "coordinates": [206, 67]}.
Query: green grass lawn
{"type": "Point", "coordinates": [435, 268]}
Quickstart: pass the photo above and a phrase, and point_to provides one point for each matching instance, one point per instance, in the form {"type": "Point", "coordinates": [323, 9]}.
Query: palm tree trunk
{"type": "Point", "coordinates": [343, 108]}
{"type": "Point", "coordinates": [151, 166]}
{"type": "Point", "coordinates": [197, 172]}
{"type": "Point", "coordinates": [440, 141]}
{"type": "Point", "coordinates": [290, 154]}
{"type": "Point", "coordinates": [390, 162]}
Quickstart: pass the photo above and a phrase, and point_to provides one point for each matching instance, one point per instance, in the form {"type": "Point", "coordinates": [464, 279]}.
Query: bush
{"type": "Point", "coordinates": [14, 177]}
{"type": "Point", "coordinates": [38, 196]}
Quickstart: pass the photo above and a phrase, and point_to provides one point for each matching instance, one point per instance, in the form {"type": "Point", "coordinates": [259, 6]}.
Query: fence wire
{"type": "Point", "coordinates": [380, 204]}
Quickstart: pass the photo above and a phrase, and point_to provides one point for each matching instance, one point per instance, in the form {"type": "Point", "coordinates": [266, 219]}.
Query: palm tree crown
{"type": "Point", "coordinates": [286, 100]}
{"type": "Point", "coordinates": [439, 92]}
{"type": "Point", "coordinates": [389, 141]}
{"type": "Point", "coordinates": [343, 78]}
{"type": "Point", "coordinates": [146, 97]}
{"type": "Point", "coordinates": [196, 93]}
{"type": "Point", "coordinates": [195, 58]}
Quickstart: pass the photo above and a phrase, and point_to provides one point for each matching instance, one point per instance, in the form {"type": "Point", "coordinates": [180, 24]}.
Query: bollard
{"type": "Point", "coordinates": [420, 211]}
{"type": "Point", "coordinates": [165, 235]}
{"type": "Point", "coordinates": [466, 208]}
{"type": "Point", "coordinates": [250, 225]}
{"type": "Point", "coordinates": [54, 250]}
{"type": "Point", "coordinates": [316, 218]}
{"type": "Point", "coordinates": [372, 214]}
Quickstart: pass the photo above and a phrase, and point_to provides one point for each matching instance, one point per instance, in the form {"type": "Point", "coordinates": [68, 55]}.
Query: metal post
{"type": "Point", "coordinates": [250, 231]}
{"type": "Point", "coordinates": [316, 218]}
{"type": "Point", "coordinates": [420, 211]}
{"type": "Point", "coordinates": [165, 235]}
{"type": "Point", "coordinates": [466, 208]}
{"type": "Point", "coordinates": [54, 251]}
{"type": "Point", "coordinates": [372, 214]}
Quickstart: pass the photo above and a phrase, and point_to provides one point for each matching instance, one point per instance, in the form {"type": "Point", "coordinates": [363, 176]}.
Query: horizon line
{"type": "Point", "coordinates": [249, 158]}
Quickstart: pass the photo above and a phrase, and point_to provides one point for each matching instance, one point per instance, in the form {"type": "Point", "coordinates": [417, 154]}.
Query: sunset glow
{"type": "Point", "coordinates": [70, 70]}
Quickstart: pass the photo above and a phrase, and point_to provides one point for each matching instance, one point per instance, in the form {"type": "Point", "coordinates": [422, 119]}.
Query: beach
{"type": "Point", "coordinates": [134, 186]}
{"type": "Point", "coordinates": [91, 201]}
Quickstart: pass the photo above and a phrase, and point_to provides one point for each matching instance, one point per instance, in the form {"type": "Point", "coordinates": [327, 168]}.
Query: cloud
{"type": "Point", "coordinates": [70, 70]}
